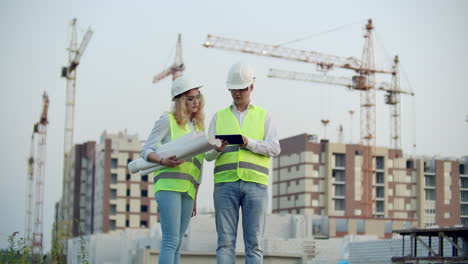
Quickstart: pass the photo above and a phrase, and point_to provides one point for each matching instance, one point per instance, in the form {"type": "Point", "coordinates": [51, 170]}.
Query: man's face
{"type": "Point", "coordinates": [241, 96]}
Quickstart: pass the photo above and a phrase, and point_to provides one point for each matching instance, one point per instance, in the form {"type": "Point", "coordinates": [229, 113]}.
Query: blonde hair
{"type": "Point", "coordinates": [182, 116]}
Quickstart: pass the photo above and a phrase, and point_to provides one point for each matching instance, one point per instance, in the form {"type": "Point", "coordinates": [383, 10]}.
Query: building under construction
{"type": "Point", "coordinates": [106, 197]}
{"type": "Point", "coordinates": [317, 192]}
{"type": "Point", "coordinates": [347, 189]}
{"type": "Point", "coordinates": [324, 178]}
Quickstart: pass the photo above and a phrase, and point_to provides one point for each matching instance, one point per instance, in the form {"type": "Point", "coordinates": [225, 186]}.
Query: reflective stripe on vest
{"type": "Point", "coordinates": [175, 175]}
{"type": "Point", "coordinates": [182, 178]}
{"type": "Point", "coordinates": [231, 148]}
{"type": "Point", "coordinates": [197, 163]}
{"type": "Point", "coordinates": [240, 163]}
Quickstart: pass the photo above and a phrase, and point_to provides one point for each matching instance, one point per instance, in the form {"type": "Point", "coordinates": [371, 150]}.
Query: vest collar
{"type": "Point", "coordinates": [250, 106]}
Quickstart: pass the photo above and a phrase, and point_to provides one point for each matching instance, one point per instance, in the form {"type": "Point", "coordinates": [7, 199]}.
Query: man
{"type": "Point", "coordinates": [241, 171]}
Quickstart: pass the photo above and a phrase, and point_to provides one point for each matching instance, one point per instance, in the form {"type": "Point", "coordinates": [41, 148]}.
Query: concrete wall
{"type": "Point", "coordinates": [288, 239]}
{"type": "Point", "coordinates": [114, 247]}
{"type": "Point", "coordinates": [382, 251]}
{"type": "Point", "coordinates": [327, 251]}
{"type": "Point", "coordinates": [151, 256]}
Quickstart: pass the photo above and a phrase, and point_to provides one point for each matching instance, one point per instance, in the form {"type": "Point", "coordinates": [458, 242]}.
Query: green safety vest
{"type": "Point", "coordinates": [240, 163]}
{"type": "Point", "coordinates": [184, 177]}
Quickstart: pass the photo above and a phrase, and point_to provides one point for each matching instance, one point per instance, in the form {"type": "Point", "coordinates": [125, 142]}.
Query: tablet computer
{"type": "Point", "coordinates": [232, 139]}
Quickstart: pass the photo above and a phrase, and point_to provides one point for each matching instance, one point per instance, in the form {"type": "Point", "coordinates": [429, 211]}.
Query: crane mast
{"type": "Point", "coordinates": [30, 193]}
{"type": "Point", "coordinates": [177, 68]}
{"type": "Point", "coordinates": [366, 85]}
{"type": "Point", "coordinates": [40, 129]}
{"type": "Point", "coordinates": [392, 98]}
{"type": "Point", "coordinates": [69, 73]}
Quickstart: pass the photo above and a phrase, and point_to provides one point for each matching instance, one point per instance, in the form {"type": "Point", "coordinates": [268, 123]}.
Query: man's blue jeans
{"type": "Point", "coordinates": [175, 209]}
{"type": "Point", "coordinates": [228, 198]}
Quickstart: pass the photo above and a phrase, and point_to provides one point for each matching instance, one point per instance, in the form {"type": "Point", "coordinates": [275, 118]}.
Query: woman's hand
{"type": "Point", "coordinates": [224, 143]}
{"type": "Point", "coordinates": [171, 161]}
{"type": "Point", "coordinates": [194, 211]}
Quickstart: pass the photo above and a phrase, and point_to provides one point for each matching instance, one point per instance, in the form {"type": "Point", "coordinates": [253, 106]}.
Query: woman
{"type": "Point", "coordinates": [176, 185]}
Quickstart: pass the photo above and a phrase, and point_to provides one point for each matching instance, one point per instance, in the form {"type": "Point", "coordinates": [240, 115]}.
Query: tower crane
{"type": "Point", "coordinates": [364, 68]}
{"type": "Point", "coordinates": [177, 68]}
{"type": "Point", "coordinates": [392, 96]}
{"type": "Point", "coordinates": [323, 61]}
{"type": "Point", "coordinates": [75, 51]}
{"type": "Point", "coordinates": [30, 193]}
{"type": "Point", "coordinates": [35, 184]}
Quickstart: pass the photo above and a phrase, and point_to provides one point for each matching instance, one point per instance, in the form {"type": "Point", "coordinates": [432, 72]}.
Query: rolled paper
{"type": "Point", "coordinates": [184, 148]}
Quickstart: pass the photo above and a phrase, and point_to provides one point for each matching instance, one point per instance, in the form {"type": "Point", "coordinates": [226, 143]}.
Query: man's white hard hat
{"type": "Point", "coordinates": [183, 84]}
{"type": "Point", "coordinates": [240, 76]}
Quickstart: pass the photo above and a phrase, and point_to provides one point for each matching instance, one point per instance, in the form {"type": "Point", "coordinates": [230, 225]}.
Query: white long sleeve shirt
{"type": "Point", "coordinates": [160, 134]}
{"type": "Point", "coordinates": [269, 146]}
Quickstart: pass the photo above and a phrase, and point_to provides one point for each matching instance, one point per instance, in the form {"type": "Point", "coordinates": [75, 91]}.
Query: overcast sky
{"type": "Point", "coordinates": [133, 42]}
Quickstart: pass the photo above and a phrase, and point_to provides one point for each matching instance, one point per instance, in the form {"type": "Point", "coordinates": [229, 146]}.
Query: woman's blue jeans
{"type": "Point", "coordinates": [229, 197]}
{"type": "Point", "coordinates": [175, 209]}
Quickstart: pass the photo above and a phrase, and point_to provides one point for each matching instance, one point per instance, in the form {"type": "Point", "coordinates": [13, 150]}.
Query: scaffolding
{"type": "Point", "coordinates": [457, 237]}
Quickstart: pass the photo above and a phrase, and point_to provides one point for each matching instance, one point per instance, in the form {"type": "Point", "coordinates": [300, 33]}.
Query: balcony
{"type": "Point", "coordinates": [379, 179]}
{"type": "Point", "coordinates": [429, 167]}
{"type": "Point", "coordinates": [340, 161]}
{"type": "Point", "coordinates": [338, 176]}
{"type": "Point", "coordinates": [339, 205]}
{"type": "Point", "coordinates": [463, 183]}
{"type": "Point", "coordinates": [379, 193]}
{"type": "Point", "coordinates": [340, 192]}
{"type": "Point", "coordinates": [379, 164]}
{"type": "Point", "coordinates": [429, 181]}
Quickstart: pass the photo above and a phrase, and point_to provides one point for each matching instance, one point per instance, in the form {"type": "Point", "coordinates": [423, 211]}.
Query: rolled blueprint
{"type": "Point", "coordinates": [184, 148]}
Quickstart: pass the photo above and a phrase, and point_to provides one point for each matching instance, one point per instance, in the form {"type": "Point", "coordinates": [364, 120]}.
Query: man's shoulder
{"type": "Point", "coordinates": [228, 108]}
{"type": "Point", "coordinates": [259, 108]}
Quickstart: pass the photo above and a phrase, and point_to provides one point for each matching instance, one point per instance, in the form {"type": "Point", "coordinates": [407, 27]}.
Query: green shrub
{"type": "Point", "coordinates": [17, 253]}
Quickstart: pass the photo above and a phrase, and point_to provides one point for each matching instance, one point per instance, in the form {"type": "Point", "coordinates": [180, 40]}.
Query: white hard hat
{"type": "Point", "coordinates": [240, 76]}
{"type": "Point", "coordinates": [183, 84]}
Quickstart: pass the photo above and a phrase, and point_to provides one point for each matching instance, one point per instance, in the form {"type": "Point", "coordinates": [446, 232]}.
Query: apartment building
{"type": "Point", "coordinates": [329, 179]}
{"type": "Point", "coordinates": [443, 197]}
{"type": "Point", "coordinates": [83, 162]}
{"type": "Point", "coordinates": [463, 169]}
{"type": "Point", "coordinates": [121, 200]}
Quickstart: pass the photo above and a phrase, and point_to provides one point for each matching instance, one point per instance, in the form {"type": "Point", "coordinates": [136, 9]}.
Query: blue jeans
{"type": "Point", "coordinates": [228, 198]}
{"type": "Point", "coordinates": [175, 210]}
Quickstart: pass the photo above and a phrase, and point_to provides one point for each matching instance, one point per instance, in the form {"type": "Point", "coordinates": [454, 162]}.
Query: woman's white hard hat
{"type": "Point", "coordinates": [240, 76]}
{"type": "Point", "coordinates": [183, 84]}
